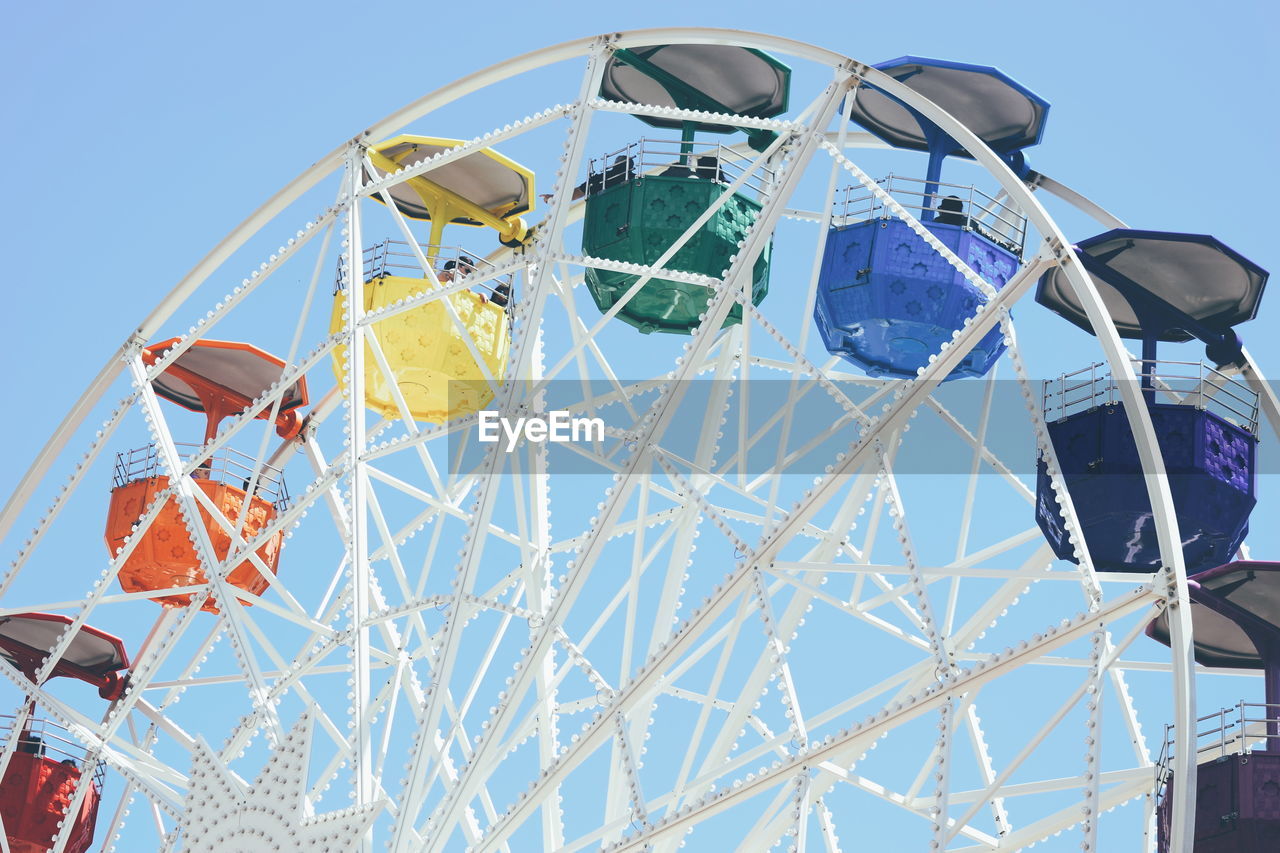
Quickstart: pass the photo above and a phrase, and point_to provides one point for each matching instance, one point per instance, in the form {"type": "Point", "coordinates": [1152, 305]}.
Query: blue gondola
{"type": "Point", "coordinates": [886, 299]}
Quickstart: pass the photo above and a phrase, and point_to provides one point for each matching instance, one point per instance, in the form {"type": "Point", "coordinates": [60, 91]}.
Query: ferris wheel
{"type": "Point", "coordinates": [678, 476]}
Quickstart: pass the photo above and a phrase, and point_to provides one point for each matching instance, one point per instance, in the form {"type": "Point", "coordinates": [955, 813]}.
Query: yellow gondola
{"type": "Point", "coordinates": [444, 366]}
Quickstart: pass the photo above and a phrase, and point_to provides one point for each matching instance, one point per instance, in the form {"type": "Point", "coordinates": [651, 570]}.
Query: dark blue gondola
{"type": "Point", "coordinates": [1156, 286]}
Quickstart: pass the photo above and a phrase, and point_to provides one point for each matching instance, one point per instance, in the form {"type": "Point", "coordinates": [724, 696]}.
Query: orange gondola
{"type": "Point", "coordinates": [218, 378]}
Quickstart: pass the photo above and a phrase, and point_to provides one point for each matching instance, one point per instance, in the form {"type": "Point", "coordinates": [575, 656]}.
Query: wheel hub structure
{"type": "Point", "coordinates": [595, 588]}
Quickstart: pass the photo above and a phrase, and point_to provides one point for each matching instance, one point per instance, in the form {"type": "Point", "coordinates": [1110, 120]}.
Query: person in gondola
{"type": "Point", "coordinates": [31, 744]}
{"type": "Point", "coordinates": [461, 268]}
{"type": "Point", "coordinates": [501, 294]}
{"type": "Point", "coordinates": [951, 212]}
{"type": "Point", "coordinates": [709, 167]}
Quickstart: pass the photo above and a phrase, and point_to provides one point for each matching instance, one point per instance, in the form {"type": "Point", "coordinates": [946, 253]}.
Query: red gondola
{"type": "Point", "coordinates": [46, 768]}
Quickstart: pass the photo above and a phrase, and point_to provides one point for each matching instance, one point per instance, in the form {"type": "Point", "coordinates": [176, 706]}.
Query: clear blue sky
{"type": "Point", "coordinates": [137, 135]}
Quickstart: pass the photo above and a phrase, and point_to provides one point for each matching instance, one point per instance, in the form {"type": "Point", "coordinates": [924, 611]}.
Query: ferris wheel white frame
{"type": "Point", "coordinates": [806, 135]}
